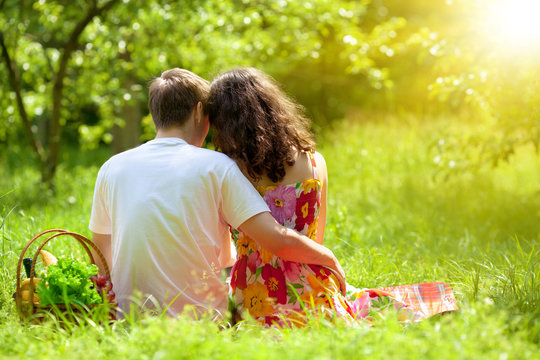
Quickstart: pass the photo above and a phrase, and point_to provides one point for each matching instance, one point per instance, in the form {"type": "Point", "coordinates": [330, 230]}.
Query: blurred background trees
{"type": "Point", "coordinates": [74, 74]}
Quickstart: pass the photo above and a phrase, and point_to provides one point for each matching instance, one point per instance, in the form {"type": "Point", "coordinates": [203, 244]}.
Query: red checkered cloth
{"type": "Point", "coordinates": [426, 299]}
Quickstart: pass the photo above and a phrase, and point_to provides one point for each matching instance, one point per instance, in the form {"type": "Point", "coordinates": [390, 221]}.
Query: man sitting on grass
{"type": "Point", "coordinates": [162, 211]}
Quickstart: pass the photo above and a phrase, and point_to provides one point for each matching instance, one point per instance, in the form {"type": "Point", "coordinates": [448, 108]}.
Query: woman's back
{"type": "Point", "coordinates": [308, 168]}
{"type": "Point", "coordinates": [266, 285]}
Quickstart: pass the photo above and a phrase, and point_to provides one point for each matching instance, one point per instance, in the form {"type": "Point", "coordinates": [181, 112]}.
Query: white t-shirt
{"type": "Point", "coordinates": [167, 206]}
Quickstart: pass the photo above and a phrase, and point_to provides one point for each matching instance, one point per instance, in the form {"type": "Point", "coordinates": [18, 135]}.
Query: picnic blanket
{"type": "Point", "coordinates": [414, 302]}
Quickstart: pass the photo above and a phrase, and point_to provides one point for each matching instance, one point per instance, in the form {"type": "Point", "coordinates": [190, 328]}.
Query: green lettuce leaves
{"type": "Point", "coordinates": [68, 282]}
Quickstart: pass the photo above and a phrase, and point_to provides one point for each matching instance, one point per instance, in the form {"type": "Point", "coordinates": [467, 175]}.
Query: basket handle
{"type": "Point", "coordinates": [23, 253]}
{"type": "Point", "coordinates": [84, 241]}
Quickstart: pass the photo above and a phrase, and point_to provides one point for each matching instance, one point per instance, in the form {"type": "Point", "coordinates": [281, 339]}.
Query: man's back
{"type": "Point", "coordinates": [167, 206]}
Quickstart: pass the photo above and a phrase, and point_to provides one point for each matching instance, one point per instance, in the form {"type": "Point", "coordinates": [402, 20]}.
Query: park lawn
{"type": "Point", "coordinates": [392, 220]}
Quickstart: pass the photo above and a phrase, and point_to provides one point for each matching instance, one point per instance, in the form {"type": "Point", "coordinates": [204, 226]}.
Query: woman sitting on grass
{"type": "Point", "coordinates": [266, 133]}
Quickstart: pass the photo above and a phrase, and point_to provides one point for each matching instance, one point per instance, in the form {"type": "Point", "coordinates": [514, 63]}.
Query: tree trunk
{"type": "Point", "coordinates": [128, 135]}
{"type": "Point", "coordinates": [15, 84]}
{"type": "Point", "coordinates": [55, 128]}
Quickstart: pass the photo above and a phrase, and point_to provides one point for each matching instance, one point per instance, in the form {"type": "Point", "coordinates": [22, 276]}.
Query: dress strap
{"type": "Point", "coordinates": [313, 165]}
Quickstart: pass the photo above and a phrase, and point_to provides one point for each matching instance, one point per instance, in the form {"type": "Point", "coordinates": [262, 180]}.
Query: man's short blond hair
{"type": "Point", "coordinates": [173, 95]}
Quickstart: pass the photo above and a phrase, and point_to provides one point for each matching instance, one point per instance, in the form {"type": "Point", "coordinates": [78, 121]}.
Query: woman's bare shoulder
{"type": "Point", "coordinates": [321, 166]}
{"type": "Point", "coordinates": [319, 158]}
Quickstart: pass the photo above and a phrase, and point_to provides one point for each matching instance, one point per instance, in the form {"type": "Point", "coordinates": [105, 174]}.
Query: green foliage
{"type": "Point", "coordinates": [487, 77]}
{"type": "Point", "coordinates": [333, 56]}
{"type": "Point", "coordinates": [68, 283]}
{"type": "Point", "coordinates": [337, 47]}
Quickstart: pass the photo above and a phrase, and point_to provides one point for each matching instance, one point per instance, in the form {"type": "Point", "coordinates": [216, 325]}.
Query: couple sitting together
{"type": "Point", "coordinates": [164, 212]}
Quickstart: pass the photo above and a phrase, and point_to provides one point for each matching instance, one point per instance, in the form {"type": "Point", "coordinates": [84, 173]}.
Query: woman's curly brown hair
{"type": "Point", "coordinates": [256, 123]}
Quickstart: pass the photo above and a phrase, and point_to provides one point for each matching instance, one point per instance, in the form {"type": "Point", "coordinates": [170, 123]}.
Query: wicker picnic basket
{"type": "Point", "coordinates": [32, 309]}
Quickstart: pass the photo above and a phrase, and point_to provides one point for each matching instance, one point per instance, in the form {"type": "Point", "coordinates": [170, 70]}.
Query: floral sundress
{"type": "Point", "coordinates": [275, 291]}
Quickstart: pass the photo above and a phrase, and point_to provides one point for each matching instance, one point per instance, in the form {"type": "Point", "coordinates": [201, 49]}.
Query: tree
{"type": "Point", "coordinates": [37, 25]}
{"type": "Point", "coordinates": [473, 58]}
{"type": "Point", "coordinates": [75, 72]}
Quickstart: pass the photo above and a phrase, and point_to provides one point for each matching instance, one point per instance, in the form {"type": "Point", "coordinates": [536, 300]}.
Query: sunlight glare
{"type": "Point", "coordinates": [514, 23]}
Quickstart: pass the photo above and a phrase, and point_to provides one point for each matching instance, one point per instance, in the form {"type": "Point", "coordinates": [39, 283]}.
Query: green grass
{"type": "Point", "coordinates": [390, 222]}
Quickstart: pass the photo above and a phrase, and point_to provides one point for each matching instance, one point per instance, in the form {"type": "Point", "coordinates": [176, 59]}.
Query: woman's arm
{"type": "Point", "coordinates": [323, 177]}
{"type": "Point", "coordinates": [290, 245]}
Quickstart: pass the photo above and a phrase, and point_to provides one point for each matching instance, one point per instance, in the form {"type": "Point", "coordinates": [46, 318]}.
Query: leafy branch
{"type": "Point", "coordinates": [15, 84]}
{"type": "Point", "coordinates": [49, 155]}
